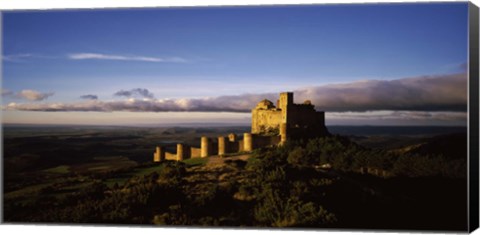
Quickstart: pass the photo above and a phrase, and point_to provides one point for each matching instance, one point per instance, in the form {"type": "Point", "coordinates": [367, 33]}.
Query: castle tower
{"type": "Point", "coordinates": [247, 142]}
{"type": "Point", "coordinates": [180, 152]}
{"type": "Point", "coordinates": [283, 133]}
{"type": "Point", "coordinates": [156, 155]}
{"type": "Point", "coordinates": [232, 137]}
{"type": "Point", "coordinates": [284, 103]}
{"type": "Point", "coordinates": [159, 154]}
{"type": "Point", "coordinates": [205, 147]}
{"type": "Point", "coordinates": [222, 147]}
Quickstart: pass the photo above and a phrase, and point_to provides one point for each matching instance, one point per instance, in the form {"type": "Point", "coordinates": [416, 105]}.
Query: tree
{"type": "Point", "coordinates": [298, 157]}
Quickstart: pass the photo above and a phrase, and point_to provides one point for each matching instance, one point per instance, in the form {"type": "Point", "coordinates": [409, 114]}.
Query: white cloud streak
{"type": "Point", "coordinates": [16, 57]}
{"type": "Point", "coordinates": [98, 56]}
{"type": "Point", "coordinates": [25, 57]}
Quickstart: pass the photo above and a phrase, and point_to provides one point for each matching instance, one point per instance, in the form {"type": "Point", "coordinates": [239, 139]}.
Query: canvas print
{"type": "Point", "coordinates": [304, 116]}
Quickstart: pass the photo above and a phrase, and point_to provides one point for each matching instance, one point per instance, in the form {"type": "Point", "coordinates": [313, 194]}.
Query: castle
{"type": "Point", "coordinates": [271, 125]}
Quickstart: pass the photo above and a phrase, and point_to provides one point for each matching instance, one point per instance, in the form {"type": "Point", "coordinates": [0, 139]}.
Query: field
{"type": "Point", "coordinates": [56, 174]}
{"type": "Point", "coordinates": [37, 158]}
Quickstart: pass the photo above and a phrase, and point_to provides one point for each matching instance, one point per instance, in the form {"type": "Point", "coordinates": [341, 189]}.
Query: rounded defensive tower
{"type": "Point", "coordinates": [205, 147]}
{"type": "Point", "coordinates": [180, 152]}
{"type": "Point", "coordinates": [283, 133]}
{"type": "Point", "coordinates": [159, 154]}
{"type": "Point", "coordinates": [156, 155]}
{"type": "Point", "coordinates": [222, 148]}
{"type": "Point", "coordinates": [232, 137]}
{"type": "Point", "coordinates": [247, 142]}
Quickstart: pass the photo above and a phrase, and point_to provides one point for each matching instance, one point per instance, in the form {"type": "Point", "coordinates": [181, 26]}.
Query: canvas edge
{"type": "Point", "coordinates": [473, 160]}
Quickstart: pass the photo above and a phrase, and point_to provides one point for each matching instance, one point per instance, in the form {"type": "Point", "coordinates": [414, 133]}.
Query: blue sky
{"type": "Point", "coordinates": [188, 56]}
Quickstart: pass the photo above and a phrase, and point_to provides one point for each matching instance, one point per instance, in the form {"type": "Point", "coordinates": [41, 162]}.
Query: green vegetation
{"type": "Point", "coordinates": [125, 175]}
{"type": "Point", "coordinates": [328, 182]}
{"type": "Point", "coordinates": [31, 190]}
{"type": "Point", "coordinates": [59, 170]}
{"type": "Point", "coordinates": [346, 156]}
{"type": "Point", "coordinates": [196, 161]}
{"type": "Point", "coordinates": [146, 169]}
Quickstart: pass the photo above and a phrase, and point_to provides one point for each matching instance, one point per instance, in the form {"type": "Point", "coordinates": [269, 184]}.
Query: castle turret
{"type": "Point", "coordinates": [156, 155]}
{"type": "Point", "coordinates": [159, 154]}
{"type": "Point", "coordinates": [180, 153]}
{"type": "Point", "coordinates": [222, 146]}
{"type": "Point", "coordinates": [205, 147]}
{"type": "Point", "coordinates": [283, 133]}
{"type": "Point", "coordinates": [284, 103]}
{"type": "Point", "coordinates": [233, 143]}
{"type": "Point", "coordinates": [247, 142]}
{"type": "Point", "coordinates": [232, 137]}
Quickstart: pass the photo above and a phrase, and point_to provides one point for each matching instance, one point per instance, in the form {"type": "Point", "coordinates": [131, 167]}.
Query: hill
{"type": "Point", "coordinates": [452, 146]}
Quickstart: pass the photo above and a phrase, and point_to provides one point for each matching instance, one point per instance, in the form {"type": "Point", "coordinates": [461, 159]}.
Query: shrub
{"type": "Point", "coordinates": [298, 157]}
{"type": "Point", "coordinates": [279, 211]}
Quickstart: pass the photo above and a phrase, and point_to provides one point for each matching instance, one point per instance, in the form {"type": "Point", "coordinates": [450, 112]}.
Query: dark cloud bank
{"type": "Point", "coordinates": [428, 93]}
{"type": "Point", "coordinates": [89, 97]}
{"type": "Point", "coordinates": [138, 92]}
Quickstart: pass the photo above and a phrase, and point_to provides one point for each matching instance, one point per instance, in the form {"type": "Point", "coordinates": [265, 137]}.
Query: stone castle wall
{"type": "Point", "coordinates": [223, 146]}
{"type": "Point", "coordinates": [264, 120]}
{"type": "Point", "coordinates": [195, 152]}
{"type": "Point", "coordinates": [305, 115]}
{"type": "Point", "coordinates": [170, 156]}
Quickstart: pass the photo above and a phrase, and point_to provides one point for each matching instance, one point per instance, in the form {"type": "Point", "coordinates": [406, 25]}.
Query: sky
{"type": "Point", "coordinates": [366, 64]}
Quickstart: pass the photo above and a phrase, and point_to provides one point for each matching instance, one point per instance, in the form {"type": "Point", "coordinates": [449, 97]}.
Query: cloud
{"type": "Point", "coordinates": [132, 105]}
{"type": "Point", "coordinates": [138, 92]}
{"type": "Point", "coordinates": [442, 93]}
{"type": "Point", "coordinates": [89, 97]}
{"type": "Point", "coordinates": [399, 115]}
{"type": "Point", "coordinates": [25, 56]}
{"type": "Point", "coordinates": [6, 92]}
{"type": "Point", "coordinates": [98, 56]}
{"type": "Point", "coordinates": [16, 57]}
{"type": "Point", "coordinates": [427, 93]}
{"type": "Point", "coordinates": [386, 117]}
{"type": "Point", "coordinates": [389, 117]}
{"type": "Point", "coordinates": [31, 95]}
